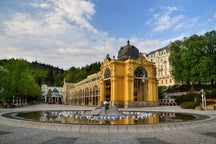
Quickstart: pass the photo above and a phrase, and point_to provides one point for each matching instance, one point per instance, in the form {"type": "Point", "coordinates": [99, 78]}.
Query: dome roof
{"type": "Point", "coordinates": [128, 52]}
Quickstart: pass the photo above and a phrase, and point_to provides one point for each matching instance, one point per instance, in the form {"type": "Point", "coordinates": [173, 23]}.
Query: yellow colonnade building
{"type": "Point", "coordinates": [129, 81]}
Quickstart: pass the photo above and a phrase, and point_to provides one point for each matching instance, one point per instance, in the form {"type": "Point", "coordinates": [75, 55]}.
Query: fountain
{"type": "Point", "coordinates": [105, 113]}
{"type": "Point", "coordinates": [102, 115]}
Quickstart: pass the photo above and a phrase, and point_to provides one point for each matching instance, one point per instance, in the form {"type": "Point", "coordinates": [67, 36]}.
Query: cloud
{"type": "Point", "coordinates": [40, 5]}
{"type": "Point", "coordinates": [214, 15]}
{"type": "Point", "coordinates": [22, 24]}
{"type": "Point", "coordinates": [60, 33]}
{"type": "Point", "coordinates": [165, 19]}
{"type": "Point", "coordinates": [55, 32]}
{"type": "Point", "coordinates": [147, 45]}
{"type": "Point", "coordinates": [77, 12]}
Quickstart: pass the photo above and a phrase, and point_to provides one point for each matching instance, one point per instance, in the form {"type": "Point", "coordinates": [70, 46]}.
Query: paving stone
{"type": "Point", "coordinates": [131, 129]}
{"type": "Point", "coordinates": [4, 132]}
{"type": "Point", "coordinates": [212, 134]}
{"type": "Point", "coordinates": [151, 140]}
{"type": "Point", "coordinates": [61, 140]}
{"type": "Point", "coordinates": [113, 129]}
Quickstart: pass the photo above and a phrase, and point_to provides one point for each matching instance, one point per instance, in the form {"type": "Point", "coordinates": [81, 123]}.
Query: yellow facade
{"type": "Point", "coordinates": [122, 90]}
{"type": "Point", "coordinates": [129, 81]}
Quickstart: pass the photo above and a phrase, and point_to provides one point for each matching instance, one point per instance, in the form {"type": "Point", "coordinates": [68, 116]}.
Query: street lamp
{"type": "Point", "coordinates": [203, 105]}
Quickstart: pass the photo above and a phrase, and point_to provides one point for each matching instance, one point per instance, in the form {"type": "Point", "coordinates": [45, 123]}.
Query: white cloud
{"type": "Point", "coordinates": [150, 45]}
{"type": "Point", "coordinates": [179, 26]}
{"type": "Point", "coordinates": [214, 15]}
{"type": "Point", "coordinates": [165, 19]}
{"type": "Point", "coordinates": [76, 11]}
{"type": "Point", "coordinates": [57, 33]}
{"type": "Point", "coordinates": [22, 24]}
{"type": "Point", "coordinates": [170, 9]}
{"type": "Point", "coordinates": [60, 33]}
{"type": "Point", "coordinates": [40, 5]}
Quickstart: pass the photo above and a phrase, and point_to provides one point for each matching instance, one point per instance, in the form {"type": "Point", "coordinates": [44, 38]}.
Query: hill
{"type": "Point", "coordinates": [54, 76]}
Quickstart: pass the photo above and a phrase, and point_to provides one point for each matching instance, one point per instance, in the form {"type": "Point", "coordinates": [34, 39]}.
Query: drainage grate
{"type": "Point", "coordinates": [4, 132]}
{"type": "Point", "coordinates": [212, 134]}
{"type": "Point", "coordinates": [61, 140]}
{"type": "Point", "coordinates": [151, 140]}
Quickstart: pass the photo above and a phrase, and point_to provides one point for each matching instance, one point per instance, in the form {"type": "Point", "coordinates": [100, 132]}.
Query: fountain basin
{"type": "Point", "coordinates": [95, 118]}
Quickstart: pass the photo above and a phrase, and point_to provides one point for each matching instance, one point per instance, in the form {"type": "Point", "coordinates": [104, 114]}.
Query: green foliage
{"type": "Point", "coordinates": [210, 103]}
{"type": "Point", "coordinates": [179, 88]}
{"type": "Point", "coordinates": [49, 93]}
{"type": "Point", "coordinates": [175, 60]}
{"type": "Point", "coordinates": [17, 81]}
{"type": "Point", "coordinates": [211, 94]}
{"type": "Point", "coordinates": [193, 104]}
{"type": "Point", "coordinates": [77, 74]}
{"type": "Point", "coordinates": [161, 90]}
{"type": "Point", "coordinates": [194, 59]}
{"type": "Point", "coordinates": [47, 74]}
{"type": "Point", "coordinates": [20, 78]}
{"type": "Point", "coordinates": [189, 105]}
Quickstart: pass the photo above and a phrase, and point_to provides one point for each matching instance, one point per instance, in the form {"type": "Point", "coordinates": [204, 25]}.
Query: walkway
{"type": "Point", "coordinates": [17, 132]}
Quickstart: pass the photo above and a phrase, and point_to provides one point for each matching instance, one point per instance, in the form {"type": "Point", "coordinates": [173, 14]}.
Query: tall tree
{"type": "Point", "coordinates": [194, 58]}
{"type": "Point", "coordinates": [175, 57]}
{"type": "Point", "coordinates": [17, 81]}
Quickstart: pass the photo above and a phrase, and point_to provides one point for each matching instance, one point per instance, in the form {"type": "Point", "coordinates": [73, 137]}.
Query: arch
{"type": "Point", "coordinates": [95, 90]}
{"type": "Point", "coordinates": [95, 95]}
{"type": "Point", "coordinates": [107, 73]}
{"type": "Point", "coordinates": [140, 72]}
{"type": "Point", "coordinates": [140, 84]}
{"type": "Point", "coordinates": [86, 96]}
{"type": "Point", "coordinates": [80, 97]}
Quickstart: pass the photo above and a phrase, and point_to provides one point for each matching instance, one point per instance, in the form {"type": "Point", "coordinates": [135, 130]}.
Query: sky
{"type": "Point", "coordinates": [66, 33]}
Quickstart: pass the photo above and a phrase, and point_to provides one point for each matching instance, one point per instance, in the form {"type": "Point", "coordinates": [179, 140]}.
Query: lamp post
{"type": "Point", "coordinates": [203, 105]}
{"type": "Point", "coordinates": [106, 104]}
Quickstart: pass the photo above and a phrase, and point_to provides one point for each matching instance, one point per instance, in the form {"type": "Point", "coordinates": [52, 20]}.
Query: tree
{"type": "Point", "coordinates": [175, 57]}
{"type": "Point", "coordinates": [17, 81]}
{"type": "Point", "coordinates": [49, 94]}
{"type": "Point", "coordinates": [50, 77]}
{"type": "Point", "coordinates": [194, 58]}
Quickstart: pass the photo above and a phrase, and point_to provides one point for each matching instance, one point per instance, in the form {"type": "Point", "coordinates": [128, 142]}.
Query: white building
{"type": "Point", "coordinates": [161, 59]}
{"type": "Point", "coordinates": [54, 96]}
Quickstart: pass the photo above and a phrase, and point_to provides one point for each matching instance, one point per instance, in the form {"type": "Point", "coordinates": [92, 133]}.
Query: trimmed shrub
{"type": "Point", "coordinates": [161, 90]}
{"type": "Point", "coordinates": [189, 105]}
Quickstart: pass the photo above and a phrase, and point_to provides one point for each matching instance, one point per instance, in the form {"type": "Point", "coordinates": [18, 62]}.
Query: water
{"type": "Point", "coordinates": [84, 117]}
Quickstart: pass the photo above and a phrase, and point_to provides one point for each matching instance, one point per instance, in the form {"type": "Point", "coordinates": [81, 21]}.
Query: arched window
{"type": "Point", "coordinates": [140, 72]}
{"type": "Point", "coordinates": [107, 73]}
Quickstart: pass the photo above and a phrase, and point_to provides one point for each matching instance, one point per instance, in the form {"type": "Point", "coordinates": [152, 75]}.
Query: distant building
{"type": "Point", "coordinates": [51, 94]}
{"type": "Point", "coordinates": [160, 58]}
{"type": "Point", "coordinates": [85, 92]}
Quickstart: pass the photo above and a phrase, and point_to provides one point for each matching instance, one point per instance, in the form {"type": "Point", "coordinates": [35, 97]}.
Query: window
{"type": "Point", "coordinates": [140, 72]}
{"type": "Point", "coordinates": [107, 73]}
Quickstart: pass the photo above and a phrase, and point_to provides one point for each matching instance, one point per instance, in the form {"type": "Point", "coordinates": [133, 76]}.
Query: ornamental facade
{"type": "Point", "coordinates": [129, 81]}
{"type": "Point", "coordinates": [160, 58]}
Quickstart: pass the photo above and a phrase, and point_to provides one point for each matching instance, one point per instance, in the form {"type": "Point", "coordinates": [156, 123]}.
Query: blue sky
{"type": "Point", "coordinates": [67, 33]}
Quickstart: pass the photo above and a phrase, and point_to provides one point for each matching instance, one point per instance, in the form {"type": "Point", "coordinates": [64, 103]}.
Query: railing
{"type": "Point", "coordinates": [168, 102]}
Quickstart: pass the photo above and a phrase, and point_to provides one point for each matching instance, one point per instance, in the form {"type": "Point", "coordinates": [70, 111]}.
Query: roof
{"type": "Point", "coordinates": [158, 50]}
{"type": "Point", "coordinates": [128, 52]}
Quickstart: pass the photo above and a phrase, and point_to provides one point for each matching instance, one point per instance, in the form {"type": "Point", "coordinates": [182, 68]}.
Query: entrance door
{"type": "Point", "coordinates": [140, 84]}
{"type": "Point", "coordinates": [139, 92]}
{"type": "Point", "coordinates": [107, 84]}
{"type": "Point", "coordinates": [107, 90]}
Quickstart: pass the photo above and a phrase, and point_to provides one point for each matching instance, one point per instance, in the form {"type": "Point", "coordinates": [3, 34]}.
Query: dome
{"type": "Point", "coordinates": [128, 52]}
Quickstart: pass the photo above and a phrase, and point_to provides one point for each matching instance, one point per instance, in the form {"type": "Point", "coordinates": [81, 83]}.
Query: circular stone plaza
{"type": "Point", "coordinates": [14, 131]}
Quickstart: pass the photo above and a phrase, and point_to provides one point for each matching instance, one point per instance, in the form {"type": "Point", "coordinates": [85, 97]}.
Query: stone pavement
{"type": "Point", "coordinates": [22, 132]}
